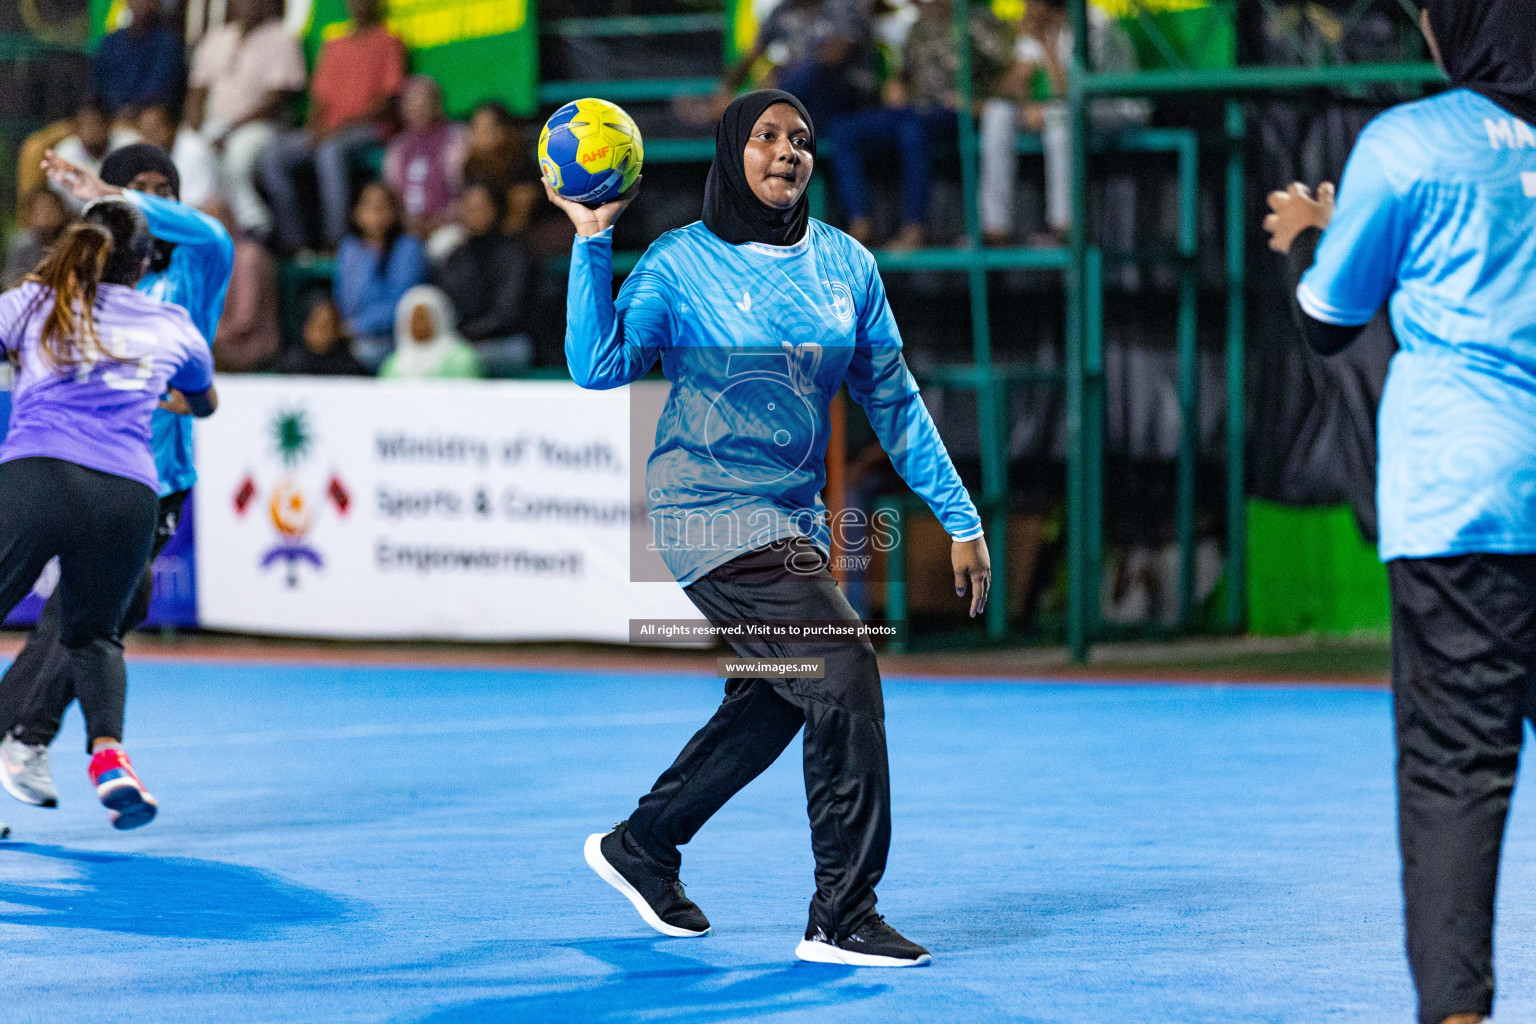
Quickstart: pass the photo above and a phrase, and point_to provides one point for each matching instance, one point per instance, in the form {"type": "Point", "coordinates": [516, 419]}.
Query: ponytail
{"type": "Point", "coordinates": [72, 271]}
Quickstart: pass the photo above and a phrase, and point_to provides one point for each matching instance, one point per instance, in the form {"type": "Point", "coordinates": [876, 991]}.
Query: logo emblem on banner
{"type": "Point", "coordinates": [289, 507]}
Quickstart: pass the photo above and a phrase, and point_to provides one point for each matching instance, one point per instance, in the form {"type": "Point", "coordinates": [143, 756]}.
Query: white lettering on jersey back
{"type": "Point", "coordinates": [1509, 133]}
{"type": "Point", "coordinates": [1528, 183]}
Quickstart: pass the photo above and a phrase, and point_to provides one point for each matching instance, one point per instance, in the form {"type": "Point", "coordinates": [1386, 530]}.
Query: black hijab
{"type": "Point", "coordinates": [1489, 46]}
{"type": "Point", "coordinates": [123, 165]}
{"type": "Point", "coordinates": [731, 209]}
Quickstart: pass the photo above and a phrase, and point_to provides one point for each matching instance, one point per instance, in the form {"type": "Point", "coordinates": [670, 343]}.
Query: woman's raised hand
{"type": "Point", "coordinates": [74, 179]}
{"type": "Point", "coordinates": [1293, 210]}
{"type": "Point", "coordinates": [590, 221]}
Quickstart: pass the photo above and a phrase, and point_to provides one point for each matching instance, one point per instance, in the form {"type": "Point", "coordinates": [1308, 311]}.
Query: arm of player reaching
{"type": "Point", "coordinates": [1362, 245]}
{"type": "Point", "coordinates": [880, 382]}
{"type": "Point", "coordinates": [192, 382]}
{"type": "Point", "coordinates": [182, 225]}
{"type": "Point", "coordinates": [208, 255]}
{"type": "Point", "coordinates": [610, 343]}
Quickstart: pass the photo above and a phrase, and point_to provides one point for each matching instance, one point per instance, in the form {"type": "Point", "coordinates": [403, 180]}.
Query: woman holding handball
{"type": "Point", "coordinates": [758, 315]}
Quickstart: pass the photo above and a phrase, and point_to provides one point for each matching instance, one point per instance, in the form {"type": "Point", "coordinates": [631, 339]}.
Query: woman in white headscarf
{"type": "Point", "coordinates": [426, 345]}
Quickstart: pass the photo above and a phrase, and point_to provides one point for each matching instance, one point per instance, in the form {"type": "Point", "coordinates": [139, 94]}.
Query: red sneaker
{"type": "Point", "coordinates": [120, 791]}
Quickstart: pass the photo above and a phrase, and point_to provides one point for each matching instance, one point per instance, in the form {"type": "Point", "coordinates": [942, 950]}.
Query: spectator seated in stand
{"type": "Point", "coordinates": [243, 74]}
{"type": "Point", "coordinates": [426, 345]}
{"type": "Point", "coordinates": [822, 51]}
{"type": "Point", "coordinates": [247, 338]}
{"type": "Point", "coordinates": [425, 162]}
{"type": "Point", "coordinates": [499, 155]}
{"type": "Point", "coordinates": [1033, 91]}
{"type": "Point", "coordinates": [351, 108]}
{"type": "Point", "coordinates": [195, 163]}
{"type": "Point", "coordinates": [487, 279]}
{"type": "Point", "coordinates": [919, 111]}
{"type": "Point", "coordinates": [43, 219]}
{"type": "Point", "coordinates": [93, 138]}
{"type": "Point", "coordinates": [326, 349]}
{"type": "Point", "coordinates": [141, 65]}
{"type": "Point", "coordinates": [376, 265]}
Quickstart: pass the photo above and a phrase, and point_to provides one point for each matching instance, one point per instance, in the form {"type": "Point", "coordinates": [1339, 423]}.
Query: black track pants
{"type": "Point", "coordinates": [847, 783]}
{"type": "Point", "coordinates": [101, 527]}
{"type": "Point", "coordinates": [1463, 668]}
{"type": "Point", "coordinates": [37, 687]}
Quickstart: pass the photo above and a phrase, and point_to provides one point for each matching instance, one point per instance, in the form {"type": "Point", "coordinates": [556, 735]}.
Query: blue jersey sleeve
{"type": "Point", "coordinates": [1362, 249]}
{"type": "Point", "coordinates": [204, 259]}
{"type": "Point", "coordinates": [610, 343]}
{"type": "Point", "coordinates": [880, 382]}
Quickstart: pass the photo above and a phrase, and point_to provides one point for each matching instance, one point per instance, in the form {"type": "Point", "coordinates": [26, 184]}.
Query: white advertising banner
{"type": "Point", "coordinates": [462, 510]}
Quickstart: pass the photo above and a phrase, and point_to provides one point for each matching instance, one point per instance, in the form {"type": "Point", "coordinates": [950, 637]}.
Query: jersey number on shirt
{"type": "Point", "coordinates": [120, 343]}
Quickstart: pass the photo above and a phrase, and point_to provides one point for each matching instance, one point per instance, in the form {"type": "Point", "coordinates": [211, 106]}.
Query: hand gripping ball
{"type": "Point", "coordinates": [590, 151]}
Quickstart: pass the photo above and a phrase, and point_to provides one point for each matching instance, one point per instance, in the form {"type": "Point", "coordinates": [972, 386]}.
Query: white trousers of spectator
{"type": "Point", "coordinates": [1000, 166]}
{"type": "Point", "coordinates": [237, 170]}
{"type": "Point", "coordinates": [332, 161]}
{"type": "Point", "coordinates": [1000, 158]}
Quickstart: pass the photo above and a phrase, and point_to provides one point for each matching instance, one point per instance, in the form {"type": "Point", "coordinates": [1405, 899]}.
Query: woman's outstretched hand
{"type": "Point", "coordinates": [590, 221]}
{"type": "Point", "coordinates": [973, 571]}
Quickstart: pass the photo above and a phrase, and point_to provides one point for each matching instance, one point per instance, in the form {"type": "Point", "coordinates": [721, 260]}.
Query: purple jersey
{"type": "Point", "coordinates": [97, 415]}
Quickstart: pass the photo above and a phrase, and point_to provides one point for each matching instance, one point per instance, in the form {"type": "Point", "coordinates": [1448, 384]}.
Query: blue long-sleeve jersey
{"type": "Point", "coordinates": [1437, 217]}
{"type": "Point", "coordinates": [196, 280]}
{"type": "Point", "coordinates": [756, 340]}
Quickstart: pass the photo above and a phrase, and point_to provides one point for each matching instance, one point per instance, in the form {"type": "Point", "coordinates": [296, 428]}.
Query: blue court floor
{"type": "Point", "coordinates": [404, 845]}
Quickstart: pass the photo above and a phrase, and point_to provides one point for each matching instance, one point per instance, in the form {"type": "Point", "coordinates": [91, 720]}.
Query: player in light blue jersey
{"type": "Point", "coordinates": [192, 262]}
{"type": "Point", "coordinates": [758, 315]}
{"type": "Point", "coordinates": [1436, 217]}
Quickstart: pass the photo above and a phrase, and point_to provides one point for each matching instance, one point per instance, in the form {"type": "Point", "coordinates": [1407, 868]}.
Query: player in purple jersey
{"type": "Point", "coordinates": [190, 267]}
{"type": "Point", "coordinates": [77, 477]}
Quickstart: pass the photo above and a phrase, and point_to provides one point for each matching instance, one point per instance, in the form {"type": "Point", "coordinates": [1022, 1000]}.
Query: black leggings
{"type": "Point", "coordinates": [1463, 684]}
{"type": "Point", "coordinates": [847, 782]}
{"type": "Point", "coordinates": [38, 688]}
{"type": "Point", "coordinates": [101, 528]}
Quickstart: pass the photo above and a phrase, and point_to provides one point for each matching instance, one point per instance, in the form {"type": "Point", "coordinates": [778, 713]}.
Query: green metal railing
{"type": "Point", "coordinates": [1085, 483]}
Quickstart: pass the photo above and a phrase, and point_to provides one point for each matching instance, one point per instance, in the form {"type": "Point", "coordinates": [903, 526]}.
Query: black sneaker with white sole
{"type": "Point", "coordinates": [658, 896]}
{"type": "Point", "coordinates": [873, 943]}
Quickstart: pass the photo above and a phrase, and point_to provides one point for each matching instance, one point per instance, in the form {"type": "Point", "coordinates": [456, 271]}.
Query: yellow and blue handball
{"type": "Point", "coordinates": [590, 151]}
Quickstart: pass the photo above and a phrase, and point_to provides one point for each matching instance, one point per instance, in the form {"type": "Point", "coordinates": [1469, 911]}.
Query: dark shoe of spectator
{"type": "Point", "coordinates": [997, 239]}
{"type": "Point", "coordinates": [1046, 239]}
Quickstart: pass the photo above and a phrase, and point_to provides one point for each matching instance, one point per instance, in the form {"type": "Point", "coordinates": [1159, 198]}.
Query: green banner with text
{"type": "Point", "coordinates": [477, 49]}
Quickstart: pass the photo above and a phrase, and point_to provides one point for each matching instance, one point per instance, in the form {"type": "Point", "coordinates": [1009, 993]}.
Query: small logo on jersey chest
{"type": "Point", "coordinates": [745, 305]}
{"type": "Point", "coordinates": [842, 300]}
